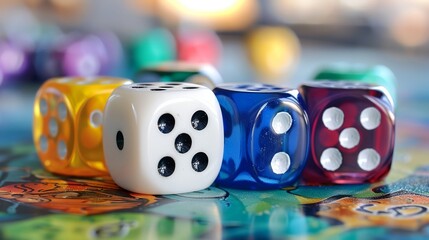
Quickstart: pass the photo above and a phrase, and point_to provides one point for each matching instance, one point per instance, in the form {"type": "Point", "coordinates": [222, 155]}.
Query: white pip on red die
{"type": "Point", "coordinates": [163, 138]}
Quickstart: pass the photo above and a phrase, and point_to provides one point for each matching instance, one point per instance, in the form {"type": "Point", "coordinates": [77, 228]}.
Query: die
{"type": "Point", "coordinates": [198, 46]}
{"type": "Point", "coordinates": [151, 48]}
{"type": "Point", "coordinates": [67, 124]}
{"type": "Point", "coordinates": [273, 52]}
{"type": "Point", "coordinates": [266, 136]}
{"type": "Point", "coordinates": [202, 74]}
{"type": "Point", "coordinates": [14, 62]}
{"type": "Point", "coordinates": [77, 55]}
{"type": "Point", "coordinates": [352, 132]}
{"type": "Point", "coordinates": [378, 74]}
{"type": "Point", "coordinates": [163, 138]}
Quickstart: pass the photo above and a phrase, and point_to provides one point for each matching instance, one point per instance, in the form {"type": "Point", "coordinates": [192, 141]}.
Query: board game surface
{"type": "Point", "coordinates": [35, 204]}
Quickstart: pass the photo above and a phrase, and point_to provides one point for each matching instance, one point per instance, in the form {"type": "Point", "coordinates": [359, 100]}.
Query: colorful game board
{"type": "Point", "coordinates": [35, 204]}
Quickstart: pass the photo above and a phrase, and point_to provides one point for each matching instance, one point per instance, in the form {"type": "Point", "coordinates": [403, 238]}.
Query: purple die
{"type": "Point", "coordinates": [78, 55]}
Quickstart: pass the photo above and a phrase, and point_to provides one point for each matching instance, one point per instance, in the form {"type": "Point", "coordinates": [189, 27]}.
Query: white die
{"type": "Point", "coordinates": [141, 144]}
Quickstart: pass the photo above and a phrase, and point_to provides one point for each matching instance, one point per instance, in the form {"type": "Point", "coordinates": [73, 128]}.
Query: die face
{"type": "Point", "coordinates": [195, 144]}
{"type": "Point", "coordinates": [67, 139]}
{"type": "Point", "coordinates": [53, 129]}
{"type": "Point", "coordinates": [177, 145]}
{"type": "Point", "coordinates": [205, 75]}
{"type": "Point", "coordinates": [89, 123]}
{"type": "Point", "coordinates": [266, 136]}
{"type": "Point", "coordinates": [379, 75]}
{"type": "Point", "coordinates": [279, 142]}
{"type": "Point", "coordinates": [352, 133]}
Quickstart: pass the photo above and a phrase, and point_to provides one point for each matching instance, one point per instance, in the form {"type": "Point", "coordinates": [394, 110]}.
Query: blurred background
{"type": "Point", "coordinates": [275, 41]}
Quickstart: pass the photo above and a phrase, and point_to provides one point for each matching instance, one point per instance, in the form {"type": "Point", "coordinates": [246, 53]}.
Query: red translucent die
{"type": "Point", "coordinates": [352, 132]}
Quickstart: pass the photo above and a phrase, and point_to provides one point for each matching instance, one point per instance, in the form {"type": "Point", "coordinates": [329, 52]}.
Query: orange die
{"type": "Point", "coordinates": [67, 126]}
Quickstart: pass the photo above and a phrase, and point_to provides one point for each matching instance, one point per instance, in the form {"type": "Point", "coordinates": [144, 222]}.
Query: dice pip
{"type": "Point", "coordinates": [266, 136]}
{"type": "Point", "coordinates": [163, 138]}
{"type": "Point", "coordinates": [202, 74]}
{"type": "Point", "coordinates": [67, 124]}
{"type": "Point", "coordinates": [352, 132]}
{"type": "Point", "coordinates": [379, 75]}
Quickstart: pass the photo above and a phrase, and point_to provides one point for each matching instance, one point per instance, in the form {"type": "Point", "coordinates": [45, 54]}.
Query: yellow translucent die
{"type": "Point", "coordinates": [67, 124]}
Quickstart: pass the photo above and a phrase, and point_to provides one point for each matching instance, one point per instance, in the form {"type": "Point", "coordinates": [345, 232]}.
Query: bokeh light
{"type": "Point", "coordinates": [410, 27]}
{"type": "Point", "coordinates": [226, 15]}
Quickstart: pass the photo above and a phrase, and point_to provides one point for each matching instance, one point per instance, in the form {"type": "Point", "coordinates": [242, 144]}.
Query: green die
{"type": "Point", "coordinates": [205, 75]}
{"type": "Point", "coordinates": [153, 47]}
{"type": "Point", "coordinates": [378, 75]}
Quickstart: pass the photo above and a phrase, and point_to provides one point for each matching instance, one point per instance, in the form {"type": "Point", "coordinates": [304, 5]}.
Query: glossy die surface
{"type": "Point", "coordinates": [201, 74]}
{"type": "Point", "coordinates": [352, 132]}
{"type": "Point", "coordinates": [67, 124]}
{"type": "Point", "coordinates": [266, 136]}
{"type": "Point", "coordinates": [163, 138]}
{"type": "Point", "coordinates": [378, 74]}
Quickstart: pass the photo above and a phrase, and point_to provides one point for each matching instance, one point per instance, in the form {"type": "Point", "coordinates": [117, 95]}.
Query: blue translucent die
{"type": "Point", "coordinates": [266, 136]}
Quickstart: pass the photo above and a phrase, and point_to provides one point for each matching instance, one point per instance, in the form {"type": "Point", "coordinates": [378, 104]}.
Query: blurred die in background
{"type": "Point", "coordinates": [251, 40]}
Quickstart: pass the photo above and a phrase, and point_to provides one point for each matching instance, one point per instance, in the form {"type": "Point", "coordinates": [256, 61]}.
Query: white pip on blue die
{"type": "Point", "coordinates": [163, 138]}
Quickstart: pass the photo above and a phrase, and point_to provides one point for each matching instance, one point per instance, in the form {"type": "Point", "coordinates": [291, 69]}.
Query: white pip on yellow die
{"type": "Point", "coordinates": [163, 138]}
